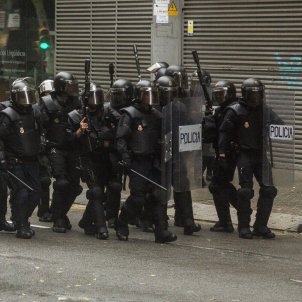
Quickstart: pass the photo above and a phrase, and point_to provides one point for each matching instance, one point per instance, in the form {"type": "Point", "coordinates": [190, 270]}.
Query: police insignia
{"type": "Point", "coordinates": [140, 128]}
{"type": "Point", "coordinates": [22, 130]}
{"type": "Point", "coordinates": [57, 120]}
{"type": "Point", "coordinates": [246, 125]}
{"type": "Point", "coordinates": [112, 125]}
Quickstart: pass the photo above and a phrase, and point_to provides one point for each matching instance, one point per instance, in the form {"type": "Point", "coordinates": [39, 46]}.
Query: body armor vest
{"type": "Point", "coordinates": [250, 129]}
{"type": "Point", "coordinates": [59, 132]}
{"type": "Point", "coordinates": [24, 140]}
{"type": "Point", "coordinates": [146, 131]}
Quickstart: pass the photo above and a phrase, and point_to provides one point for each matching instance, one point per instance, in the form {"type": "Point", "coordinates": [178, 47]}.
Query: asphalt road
{"type": "Point", "coordinates": [205, 267]}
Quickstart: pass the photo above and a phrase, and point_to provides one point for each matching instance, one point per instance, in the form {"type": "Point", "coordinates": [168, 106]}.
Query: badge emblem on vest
{"type": "Point", "coordinates": [112, 125]}
{"type": "Point", "coordinates": [21, 130]}
{"type": "Point", "coordinates": [140, 128]}
{"type": "Point", "coordinates": [56, 120]}
{"type": "Point", "coordinates": [246, 125]}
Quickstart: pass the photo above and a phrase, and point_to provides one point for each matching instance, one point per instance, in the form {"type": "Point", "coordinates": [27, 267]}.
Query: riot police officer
{"type": "Point", "coordinates": [4, 225]}
{"type": "Point", "coordinates": [223, 191]}
{"type": "Point", "coordinates": [177, 91]}
{"type": "Point", "coordinates": [44, 212]}
{"type": "Point", "coordinates": [62, 144]}
{"type": "Point", "coordinates": [96, 141]}
{"type": "Point", "coordinates": [243, 126]}
{"type": "Point", "coordinates": [121, 95]}
{"type": "Point", "coordinates": [20, 130]}
{"type": "Point", "coordinates": [138, 141]}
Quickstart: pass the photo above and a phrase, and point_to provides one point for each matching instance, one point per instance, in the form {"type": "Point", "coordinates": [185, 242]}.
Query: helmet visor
{"type": "Point", "coordinates": [167, 95]}
{"type": "Point", "coordinates": [149, 96]}
{"type": "Point", "coordinates": [95, 98]}
{"type": "Point", "coordinates": [253, 96]}
{"type": "Point", "coordinates": [72, 88]}
{"type": "Point", "coordinates": [46, 87]}
{"type": "Point", "coordinates": [119, 98]}
{"type": "Point", "coordinates": [25, 98]}
{"type": "Point", "coordinates": [219, 95]}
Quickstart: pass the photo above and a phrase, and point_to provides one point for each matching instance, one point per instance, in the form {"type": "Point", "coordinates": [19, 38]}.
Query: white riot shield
{"type": "Point", "coordinates": [187, 143]}
{"type": "Point", "coordinates": [278, 138]}
{"type": "Point", "coordinates": [166, 151]}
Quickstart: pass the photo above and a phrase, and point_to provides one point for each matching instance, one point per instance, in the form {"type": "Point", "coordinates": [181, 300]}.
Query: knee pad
{"type": "Point", "coordinates": [245, 194]}
{"type": "Point", "coordinates": [94, 193]}
{"type": "Point", "coordinates": [268, 192]}
{"type": "Point", "coordinates": [45, 182]}
{"type": "Point", "coordinates": [115, 186]}
{"type": "Point", "coordinates": [156, 195]}
{"type": "Point", "coordinates": [213, 188]}
{"type": "Point", "coordinates": [61, 184]}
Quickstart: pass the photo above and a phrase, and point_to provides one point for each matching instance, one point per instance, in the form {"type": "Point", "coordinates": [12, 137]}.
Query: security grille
{"type": "Point", "coordinates": [251, 38]}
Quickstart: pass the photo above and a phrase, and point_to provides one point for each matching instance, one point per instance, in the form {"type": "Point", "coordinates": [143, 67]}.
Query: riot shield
{"type": "Point", "coordinates": [187, 143]}
{"type": "Point", "coordinates": [166, 152]}
{"type": "Point", "coordinates": [278, 138]}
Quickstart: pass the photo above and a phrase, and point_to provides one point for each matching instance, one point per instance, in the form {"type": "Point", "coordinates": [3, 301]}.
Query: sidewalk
{"type": "Point", "coordinates": [286, 215]}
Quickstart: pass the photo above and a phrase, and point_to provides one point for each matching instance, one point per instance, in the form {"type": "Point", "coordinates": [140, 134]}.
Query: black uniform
{"type": "Point", "coordinates": [138, 141]}
{"type": "Point", "coordinates": [96, 144]}
{"type": "Point", "coordinates": [223, 191]}
{"type": "Point", "coordinates": [243, 126]}
{"type": "Point", "coordinates": [20, 130]}
{"type": "Point", "coordinates": [63, 156]}
{"type": "Point", "coordinates": [4, 225]}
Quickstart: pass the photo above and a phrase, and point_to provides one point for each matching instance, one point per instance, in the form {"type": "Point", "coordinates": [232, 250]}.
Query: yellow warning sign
{"type": "Point", "coordinates": [173, 11]}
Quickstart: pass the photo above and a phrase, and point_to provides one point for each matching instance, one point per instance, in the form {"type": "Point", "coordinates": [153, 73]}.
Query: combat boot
{"type": "Point", "coordinates": [46, 217]}
{"type": "Point", "coordinates": [192, 228]}
{"type": "Point", "coordinates": [122, 232]}
{"type": "Point", "coordinates": [223, 228]}
{"type": "Point", "coordinates": [23, 232]}
{"type": "Point", "coordinates": [67, 223]}
{"type": "Point", "coordinates": [245, 233]}
{"type": "Point", "coordinates": [89, 228]}
{"type": "Point", "coordinates": [263, 232]}
{"type": "Point", "coordinates": [7, 227]}
{"type": "Point", "coordinates": [102, 233]}
{"type": "Point", "coordinates": [164, 236]}
{"type": "Point", "coordinates": [30, 229]}
{"type": "Point", "coordinates": [59, 226]}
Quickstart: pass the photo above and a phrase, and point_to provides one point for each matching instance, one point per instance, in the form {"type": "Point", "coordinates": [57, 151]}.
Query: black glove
{"type": "Point", "coordinates": [125, 162]}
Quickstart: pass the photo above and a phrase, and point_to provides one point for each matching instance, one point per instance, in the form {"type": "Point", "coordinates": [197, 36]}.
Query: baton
{"type": "Point", "coordinates": [146, 178]}
{"type": "Point", "coordinates": [21, 181]}
{"type": "Point", "coordinates": [137, 62]}
{"type": "Point", "coordinates": [111, 73]}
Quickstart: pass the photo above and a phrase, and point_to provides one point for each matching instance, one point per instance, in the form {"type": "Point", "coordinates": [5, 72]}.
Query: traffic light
{"type": "Point", "coordinates": [44, 40]}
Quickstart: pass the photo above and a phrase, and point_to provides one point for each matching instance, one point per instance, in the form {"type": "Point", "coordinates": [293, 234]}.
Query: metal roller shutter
{"type": "Point", "coordinates": [105, 31]}
{"type": "Point", "coordinates": [251, 38]}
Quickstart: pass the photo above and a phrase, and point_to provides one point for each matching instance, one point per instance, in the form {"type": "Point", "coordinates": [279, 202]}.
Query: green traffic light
{"type": "Point", "coordinates": [44, 45]}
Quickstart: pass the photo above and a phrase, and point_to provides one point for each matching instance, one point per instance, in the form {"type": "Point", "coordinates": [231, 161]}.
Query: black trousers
{"type": "Point", "coordinates": [3, 195]}
{"type": "Point", "coordinates": [144, 194]}
{"type": "Point", "coordinates": [66, 171]}
{"type": "Point", "coordinates": [23, 200]}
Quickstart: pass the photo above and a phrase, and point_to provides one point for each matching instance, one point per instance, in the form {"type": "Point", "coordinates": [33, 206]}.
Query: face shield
{"type": "Point", "coordinates": [119, 97]}
{"type": "Point", "coordinates": [25, 98]}
{"type": "Point", "coordinates": [166, 95]}
{"type": "Point", "coordinates": [71, 88]}
{"type": "Point", "coordinates": [46, 88]}
{"type": "Point", "coordinates": [95, 99]}
{"type": "Point", "coordinates": [253, 96]}
{"type": "Point", "coordinates": [219, 95]}
{"type": "Point", "coordinates": [149, 96]}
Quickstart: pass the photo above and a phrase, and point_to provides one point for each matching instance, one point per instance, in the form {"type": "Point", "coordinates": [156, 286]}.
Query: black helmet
{"type": "Point", "coordinates": [23, 92]}
{"type": "Point", "coordinates": [167, 90]}
{"type": "Point", "coordinates": [146, 94]}
{"type": "Point", "coordinates": [252, 91]}
{"type": "Point", "coordinates": [121, 94]}
{"type": "Point", "coordinates": [46, 87]}
{"type": "Point", "coordinates": [179, 74]}
{"type": "Point", "coordinates": [160, 73]}
{"type": "Point", "coordinates": [224, 92]}
{"type": "Point", "coordinates": [96, 96]}
{"type": "Point", "coordinates": [65, 82]}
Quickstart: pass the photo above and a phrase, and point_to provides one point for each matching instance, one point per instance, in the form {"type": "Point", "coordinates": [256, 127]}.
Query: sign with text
{"type": "Point", "coordinates": [282, 132]}
{"type": "Point", "coordinates": [190, 138]}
